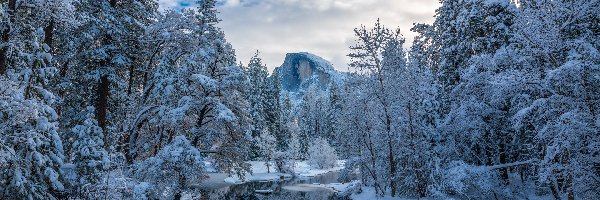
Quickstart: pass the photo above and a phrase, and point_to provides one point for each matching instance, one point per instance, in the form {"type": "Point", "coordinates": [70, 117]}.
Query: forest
{"type": "Point", "coordinates": [116, 99]}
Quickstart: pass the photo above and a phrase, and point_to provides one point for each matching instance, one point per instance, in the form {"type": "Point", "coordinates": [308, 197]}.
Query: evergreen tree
{"type": "Point", "coordinates": [21, 20]}
{"type": "Point", "coordinates": [272, 111]}
{"type": "Point", "coordinates": [172, 171]}
{"type": "Point", "coordinates": [560, 52]}
{"type": "Point", "coordinates": [90, 158]}
{"type": "Point", "coordinates": [195, 89]}
{"type": "Point", "coordinates": [257, 97]}
{"type": "Point", "coordinates": [286, 117]}
{"type": "Point", "coordinates": [334, 115]}
{"type": "Point", "coordinates": [104, 66]}
{"type": "Point", "coordinates": [463, 29]}
{"type": "Point", "coordinates": [31, 151]}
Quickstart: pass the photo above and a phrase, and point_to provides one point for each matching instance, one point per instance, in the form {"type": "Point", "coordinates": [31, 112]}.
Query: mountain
{"type": "Point", "coordinates": [300, 71]}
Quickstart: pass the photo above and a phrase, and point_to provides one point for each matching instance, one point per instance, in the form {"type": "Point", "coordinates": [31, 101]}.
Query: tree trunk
{"type": "Point", "coordinates": [503, 160]}
{"type": "Point", "coordinates": [554, 189]}
{"type": "Point", "coordinates": [391, 156]}
{"type": "Point", "coordinates": [49, 33]}
{"type": "Point", "coordinates": [369, 145]}
{"type": "Point", "coordinates": [131, 76]}
{"type": "Point", "coordinates": [181, 183]}
{"type": "Point", "coordinates": [569, 178]}
{"type": "Point", "coordinates": [421, 189]}
{"type": "Point", "coordinates": [102, 104]}
{"type": "Point", "coordinates": [392, 169]}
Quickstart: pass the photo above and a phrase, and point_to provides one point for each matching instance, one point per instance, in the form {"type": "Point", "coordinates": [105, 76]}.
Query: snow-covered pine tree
{"type": "Point", "coordinates": [256, 94]}
{"type": "Point", "coordinates": [30, 147]}
{"type": "Point", "coordinates": [107, 44]}
{"type": "Point", "coordinates": [477, 95]}
{"type": "Point", "coordinates": [21, 19]}
{"type": "Point", "coordinates": [204, 92]}
{"type": "Point", "coordinates": [565, 124]}
{"type": "Point", "coordinates": [89, 156]}
{"type": "Point", "coordinates": [561, 52]}
{"type": "Point", "coordinates": [286, 117]}
{"type": "Point", "coordinates": [172, 170]}
{"type": "Point", "coordinates": [273, 108]}
{"type": "Point", "coordinates": [194, 88]}
{"type": "Point", "coordinates": [313, 112]}
{"type": "Point", "coordinates": [463, 29]}
{"type": "Point", "coordinates": [334, 114]}
{"type": "Point", "coordinates": [347, 122]}
{"type": "Point", "coordinates": [164, 87]}
{"type": "Point", "coordinates": [478, 126]}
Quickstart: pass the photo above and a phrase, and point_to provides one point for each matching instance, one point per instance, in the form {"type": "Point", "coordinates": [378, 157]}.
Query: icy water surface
{"type": "Point", "coordinates": [292, 189]}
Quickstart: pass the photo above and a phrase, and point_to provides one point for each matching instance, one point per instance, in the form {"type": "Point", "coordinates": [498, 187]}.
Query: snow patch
{"type": "Point", "coordinates": [260, 172]}
{"type": "Point", "coordinates": [304, 169]}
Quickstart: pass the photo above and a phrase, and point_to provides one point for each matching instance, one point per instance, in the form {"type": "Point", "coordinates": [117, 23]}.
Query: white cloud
{"type": "Point", "coordinates": [323, 27]}
{"type": "Point", "coordinates": [163, 4]}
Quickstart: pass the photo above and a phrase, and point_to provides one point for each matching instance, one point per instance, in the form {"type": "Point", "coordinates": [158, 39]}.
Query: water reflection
{"type": "Point", "coordinates": [285, 189]}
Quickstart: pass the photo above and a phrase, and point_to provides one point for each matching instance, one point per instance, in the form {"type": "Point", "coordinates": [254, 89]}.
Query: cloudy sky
{"type": "Point", "coordinates": [322, 27]}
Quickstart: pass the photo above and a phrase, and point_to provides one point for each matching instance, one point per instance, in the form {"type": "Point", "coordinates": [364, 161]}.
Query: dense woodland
{"type": "Point", "coordinates": [495, 99]}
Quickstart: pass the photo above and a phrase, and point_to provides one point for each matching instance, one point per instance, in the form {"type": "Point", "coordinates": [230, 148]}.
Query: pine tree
{"type": "Point", "coordinates": [31, 149]}
{"type": "Point", "coordinates": [334, 114]}
{"type": "Point", "coordinates": [294, 148]}
{"type": "Point", "coordinates": [21, 20]}
{"type": "Point", "coordinates": [90, 158]}
{"type": "Point", "coordinates": [273, 116]}
{"type": "Point", "coordinates": [560, 50]}
{"type": "Point", "coordinates": [194, 89]}
{"type": "Point", "coordinates": [257, 97]}
{"type": "Point", "coordinates": [286, 117]}
{"type": "Point", "coordinates": [105, 63]}
{"type": "Point", "coordinates": [564, 123]}
{"type": "Point", "coordinates": [463, 29]}
{"type": "Point", "coordinates": [312, 117]}
{"type": "Point", "coordinates": [164, 85]}
{"type": "Point", "coordinates": [172, 171]}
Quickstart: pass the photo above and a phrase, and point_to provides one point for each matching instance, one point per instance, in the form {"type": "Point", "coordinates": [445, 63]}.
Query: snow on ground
{"type": "Point", "coordinates": [260, 172]}
{"type": "Point", "coordinates": [308, 188]}
{"type": "Point", "coordinates": [340, 188]}
{"type": "Point", "coordinates": [303, 169]}
{"type": "Point", "coordinates": [368, 193]}
{"type": "Point", "coordinates": [344, 187]}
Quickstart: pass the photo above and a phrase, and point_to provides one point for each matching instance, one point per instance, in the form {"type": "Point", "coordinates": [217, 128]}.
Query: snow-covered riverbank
{"type": "Point", "coordinates": [260, 172]}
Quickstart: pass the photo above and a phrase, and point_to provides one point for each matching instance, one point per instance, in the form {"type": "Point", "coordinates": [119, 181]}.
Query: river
{"type": "Point", "coordinates": [297, 188]}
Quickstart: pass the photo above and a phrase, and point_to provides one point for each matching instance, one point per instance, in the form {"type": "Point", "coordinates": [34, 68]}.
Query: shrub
{"type": "Point", "coordinates": [321, 155]}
